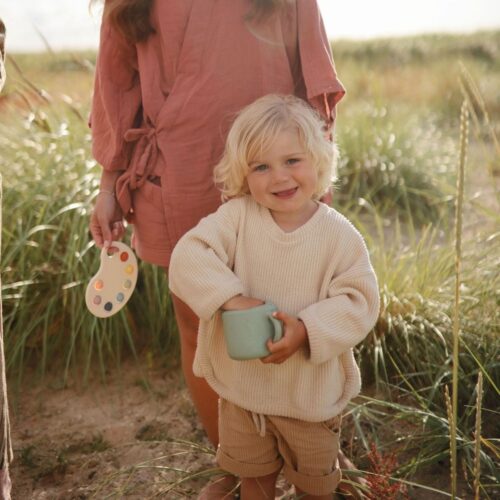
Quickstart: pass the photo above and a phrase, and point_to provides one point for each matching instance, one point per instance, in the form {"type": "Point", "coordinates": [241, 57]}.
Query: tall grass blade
{"type": "Point", "coordinates": [477, 437]}
{"type": "Point", "coordinates": [6, 453]}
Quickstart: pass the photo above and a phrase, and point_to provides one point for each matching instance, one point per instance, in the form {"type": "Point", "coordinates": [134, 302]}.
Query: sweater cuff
{"type": "Point", "coordinates": [216, 302]}
{"type": "Point", "coordinates": [320, 345]}
{"type": "Point", "coordinates": [207, 304]}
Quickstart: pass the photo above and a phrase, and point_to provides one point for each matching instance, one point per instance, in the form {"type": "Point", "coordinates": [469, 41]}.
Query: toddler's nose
{"type": "Point", "coordinates": [280, 174]}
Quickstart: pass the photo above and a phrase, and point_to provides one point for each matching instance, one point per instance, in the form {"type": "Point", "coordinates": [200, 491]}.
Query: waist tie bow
{"type": "Point", "coordinates": [142, 164]}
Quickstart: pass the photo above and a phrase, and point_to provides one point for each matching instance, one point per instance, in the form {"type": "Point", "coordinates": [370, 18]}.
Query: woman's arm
{"type": "Point", "coordinates": [115, 104]}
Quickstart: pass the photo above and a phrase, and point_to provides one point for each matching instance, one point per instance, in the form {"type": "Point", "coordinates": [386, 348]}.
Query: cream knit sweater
{"type": "Point", "coordinates": [320, 272]}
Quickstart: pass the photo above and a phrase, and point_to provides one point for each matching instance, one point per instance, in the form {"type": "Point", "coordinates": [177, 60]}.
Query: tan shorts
{"type": "Point", "coordinates": [307, 451]}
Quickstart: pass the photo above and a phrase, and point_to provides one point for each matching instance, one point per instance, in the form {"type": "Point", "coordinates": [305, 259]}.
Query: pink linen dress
{"type": "Point", "coordinates": [162, 108]}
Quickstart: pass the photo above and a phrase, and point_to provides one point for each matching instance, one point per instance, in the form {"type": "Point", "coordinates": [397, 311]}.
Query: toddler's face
{"type": "Point", "coordinates": [284, 179]}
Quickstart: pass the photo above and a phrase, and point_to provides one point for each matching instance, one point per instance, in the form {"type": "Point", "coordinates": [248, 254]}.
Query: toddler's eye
{"type": "Point", "coordinates": [260, 168]}
{"type": "Point", "coordinates": [292, 161]}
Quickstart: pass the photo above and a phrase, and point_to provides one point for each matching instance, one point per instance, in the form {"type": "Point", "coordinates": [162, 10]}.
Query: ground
{"type": "Point", "coordinates": [122, 438]}
{"type": "Point", "coordinates": [133, 436]}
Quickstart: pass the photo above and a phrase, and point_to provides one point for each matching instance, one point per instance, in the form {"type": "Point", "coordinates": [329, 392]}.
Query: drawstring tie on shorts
{"type": "Point", "coordinates": [259, 421]}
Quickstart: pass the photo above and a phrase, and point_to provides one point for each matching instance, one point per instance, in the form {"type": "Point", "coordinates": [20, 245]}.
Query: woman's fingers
{"type": "Point", "coordinates": [105, 225]}
{"type": "Point", "coordinates": [105, 222]}
{"type": "Point", "coordinates": [118, 230]}
{"type": "Point", "coordinates": [95, 231]}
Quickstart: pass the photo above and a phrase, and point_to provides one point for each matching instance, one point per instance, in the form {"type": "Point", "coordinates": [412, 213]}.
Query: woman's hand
{"type": "Point", "coordinates": [106, 221]}
{"type": "Point", "coordinates": [294, 337]}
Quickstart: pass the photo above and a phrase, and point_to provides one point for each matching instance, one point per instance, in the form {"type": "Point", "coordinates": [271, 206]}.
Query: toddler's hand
{"type": "Point", "coordinates": [294, 337]}
{"type": "Point", "coordinates": [241, 302]}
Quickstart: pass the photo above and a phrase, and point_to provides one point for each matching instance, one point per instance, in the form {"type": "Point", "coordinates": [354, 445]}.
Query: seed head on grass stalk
{"type": "Point", "coordinates": [464, 132]}
{"type": "Point", "coordinates": [453, 441]}
{"type": "Point", "coordinates": [481, 117]}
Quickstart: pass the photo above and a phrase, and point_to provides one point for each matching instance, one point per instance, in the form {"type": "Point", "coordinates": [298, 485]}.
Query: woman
{"type": "Point", "coordinates": [170, 77]}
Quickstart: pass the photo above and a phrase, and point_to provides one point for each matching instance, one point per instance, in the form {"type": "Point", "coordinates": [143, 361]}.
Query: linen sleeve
{"type": "Point", "coordinates": [200, 271]}
{"type": "Point", "coordinates": [346, 316]}
{"type": "Point", "coordinates": [116, 101]}
{"type": "Point", "coordinates": [322, 87]}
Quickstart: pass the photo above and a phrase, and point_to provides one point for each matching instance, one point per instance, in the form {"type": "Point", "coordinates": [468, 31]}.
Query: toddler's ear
{"type": "Point", "coordinates": [327, 198]}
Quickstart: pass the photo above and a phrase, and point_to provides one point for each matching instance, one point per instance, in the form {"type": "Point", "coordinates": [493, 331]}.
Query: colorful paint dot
{"type": "Point", "coordinates": [127, 284]}
{"type": "Point", "coordinates": [120, 297]}
{"type": "Point", "coordinates": [124, 256]}
{"type": "Point", "coordinates": [108, 306]}
{"type": "Point", "coordinates": [129, 269]}
{"type": "Point", "coordinates": [97, 300]}
{"type": "Point", "coordinates": [99, 285]}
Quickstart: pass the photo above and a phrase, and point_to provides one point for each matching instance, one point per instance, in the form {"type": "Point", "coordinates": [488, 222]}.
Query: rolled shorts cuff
{"type": "Point", "coordinates": [245, 469]}
{"type": "Point", "coordinates": [313, 485]}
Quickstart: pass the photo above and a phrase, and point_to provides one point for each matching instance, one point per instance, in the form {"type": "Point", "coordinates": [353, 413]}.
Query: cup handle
{"type": "Point", "coordinates": [278, 328]}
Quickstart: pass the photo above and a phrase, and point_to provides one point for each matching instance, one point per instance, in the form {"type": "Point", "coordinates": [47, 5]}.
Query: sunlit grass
{"type": "Point", "coordinates": [396, 164]}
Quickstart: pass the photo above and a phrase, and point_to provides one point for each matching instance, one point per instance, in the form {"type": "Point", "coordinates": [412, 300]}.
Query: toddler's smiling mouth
{"type": "Point", "coordinates": [287, 193]}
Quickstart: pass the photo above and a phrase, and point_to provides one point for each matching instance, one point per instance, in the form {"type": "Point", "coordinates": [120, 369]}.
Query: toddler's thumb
{"type": "Point", "coordinates": [281, 316]}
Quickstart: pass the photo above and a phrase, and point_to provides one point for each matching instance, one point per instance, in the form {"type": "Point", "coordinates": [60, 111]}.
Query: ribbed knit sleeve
{"type": "Point", "coordinates": [116, 100]}
{"type": "Point", "coordinates": [200, 271]}
{"type": "Point", "coordinates": [345, 317]}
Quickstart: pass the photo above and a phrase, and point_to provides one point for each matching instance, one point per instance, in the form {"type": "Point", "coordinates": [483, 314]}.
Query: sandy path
{"type": "Point", "coordinates": [78, 443]}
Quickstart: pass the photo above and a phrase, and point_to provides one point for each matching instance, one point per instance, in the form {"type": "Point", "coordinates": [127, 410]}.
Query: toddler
{"type": "Point", "coordinates": [274, 241]}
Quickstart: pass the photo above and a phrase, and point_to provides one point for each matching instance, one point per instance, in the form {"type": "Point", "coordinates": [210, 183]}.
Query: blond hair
{"type": "Point", "coordinates": [256, 128]}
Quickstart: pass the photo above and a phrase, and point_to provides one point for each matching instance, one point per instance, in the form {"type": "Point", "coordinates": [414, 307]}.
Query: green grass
{"type": "Point", "coordinates": [395, 164]}
{"type": "Point", "coordinates": [48, 258]}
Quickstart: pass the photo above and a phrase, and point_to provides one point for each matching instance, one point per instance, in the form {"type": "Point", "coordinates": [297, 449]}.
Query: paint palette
{"type": "Point", "coordinates": [111, 288]}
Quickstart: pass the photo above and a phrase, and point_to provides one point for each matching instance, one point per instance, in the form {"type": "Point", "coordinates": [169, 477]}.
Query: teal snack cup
{"type": "Point", "coordinates": [247, 331]}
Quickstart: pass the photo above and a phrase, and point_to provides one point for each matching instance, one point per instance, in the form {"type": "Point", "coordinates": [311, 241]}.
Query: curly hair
{"type": "Point", "coordinates": [256, 128]}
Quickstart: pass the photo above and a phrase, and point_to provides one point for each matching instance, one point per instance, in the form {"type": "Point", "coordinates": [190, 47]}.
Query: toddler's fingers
{"type": "Point", "coordinates": [277, 348]}
{"type": "Point", "coordinates": [276, 361]}
{"type": "Point", "coordinates": [274, 358]}
{"type": "Point", "coordinates": [282, 316]}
